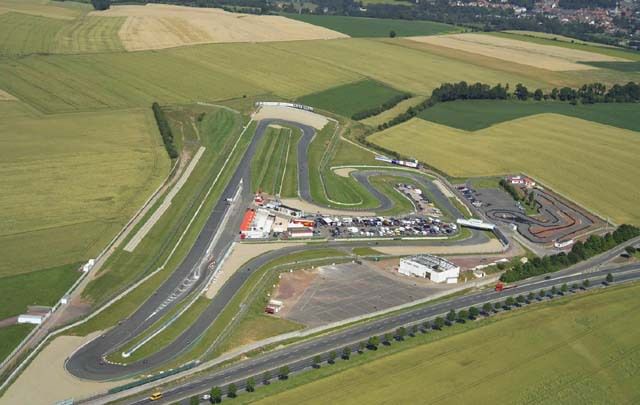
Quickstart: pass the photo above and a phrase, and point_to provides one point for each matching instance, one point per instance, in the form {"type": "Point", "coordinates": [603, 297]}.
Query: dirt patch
{"type": "Point", "coordinates": [8, 321]}
{"type": "Point", "coordinates": [344, 171]}
{"type": "Point", "coordinates": [492, 246]}
{"type": "Point", "coordinates": [313, 209]}
{"type": "Point", "coordinates": [527, 53]}
{"type": "Point", "coordinates": [156, 26]}
{"type": "Point", "coordinates": [4, 96]}
{"type": "Point", "coordinates": [291, 114]}
{"type": "Point", "coordinates": [53, 381]}
{"type": "Point", "coordinates": [445, 191]}
{"type": "Point", "coordinates": [291, 287]}
{"type": "Point", "coordinates": [242, 252]}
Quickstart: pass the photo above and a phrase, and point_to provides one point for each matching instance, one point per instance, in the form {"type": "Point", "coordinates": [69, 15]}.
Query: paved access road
{"type": "Point", "coordinates": [191, 274]}
{"type": "Point", "coordinates": [298, 356]}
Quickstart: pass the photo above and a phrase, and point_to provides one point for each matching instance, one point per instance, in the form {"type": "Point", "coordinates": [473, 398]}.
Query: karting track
{"type": "Point", "coordinates": [191, 274]}
{"type": "Point", "coordinates": [557, 221]}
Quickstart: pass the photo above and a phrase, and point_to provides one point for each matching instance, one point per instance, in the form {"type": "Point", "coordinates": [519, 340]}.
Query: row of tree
{"type": "Point", "coordinates": [586, 94]}
{"type": "Point", "coordinates": [370, 112]}
{"type": "Point", "coordinates": [165, 131]}
{"type": "Point", "coordinates": [580, 251]}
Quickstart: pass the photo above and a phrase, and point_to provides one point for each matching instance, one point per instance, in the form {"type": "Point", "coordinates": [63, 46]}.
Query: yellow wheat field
{"type": "Point", "coordinates": [547, 57]}
{"type": "Point", "coordinates": [161, 26]}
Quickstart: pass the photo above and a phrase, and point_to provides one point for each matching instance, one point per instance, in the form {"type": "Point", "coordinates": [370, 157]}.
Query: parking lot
{"type": "Point", "coordinates": [344, 291]}
{"type": "Point", "coordinates": [357, 227]}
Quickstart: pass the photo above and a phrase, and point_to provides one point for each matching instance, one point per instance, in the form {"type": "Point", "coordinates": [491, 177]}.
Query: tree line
{"type": "Point", "coordinates": [165, 131]}
{"type": "Point", "coordinates": [580, 251]}
{"type": "Point", "coordinates": [450, 92]}
{"type": "Point", "coordinates": [370, 112]}
{"type": "Point", "coordinates": [586, 94]}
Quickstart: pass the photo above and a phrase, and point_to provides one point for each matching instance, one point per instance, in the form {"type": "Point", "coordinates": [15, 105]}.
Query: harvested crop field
{"type": "Point", "coordinates": [589, 163]}
{"type": "Point", "coordinates": [527, 53]}
{"type": "Point", "coordinates": [162, 26]}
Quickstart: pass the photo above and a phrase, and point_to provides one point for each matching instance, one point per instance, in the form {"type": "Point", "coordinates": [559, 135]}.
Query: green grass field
{"type": "Point", "coordinates": [618, 66]}
{"type": "Point", "coordinates": [45, 288]}
{"type": "Point", "coordinates": [479, 114]}
{"type": "Point", "coordinates": [218, 130]}
{"type": "Point", "coordinates": [76, 180]}
{"type": "Point", "coordinates": [351, 98]}
{"type": "Point", "coordinates": [375, 27]}
{"type": "Point", "coordinates": [24, 34]}
{"type": "Point", "coordinates": [577, 350]}
{"type": "Point", "coordinates": [386, 185]}
{"type": "Point", "coordinates": [11, 336]}
{"type": "Point", "coordinates": [327, 187]}
{"type": "Point", "coordinates": [274, 168]}
{"type": "Point", "coordinates": [590, 163]}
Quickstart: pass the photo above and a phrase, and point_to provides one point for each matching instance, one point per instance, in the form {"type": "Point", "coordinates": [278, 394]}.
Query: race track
{"type": "Point", "coordinates": [191, 274]}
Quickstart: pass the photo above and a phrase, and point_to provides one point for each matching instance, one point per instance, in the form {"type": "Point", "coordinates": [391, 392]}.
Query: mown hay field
{"type": "Point", "coordinates": [375, 27]}
{"type": "Point", "coordinates": [527, 53]}
{"type": "Point", "coordinates": [71, 182]}
{"type": "Point", "coordinates": [64, 83]}
{"type": "Point", "coordinates": [580, 350]}
{"type": "Point", "coordinates": [594, 165]}
{"type": "Point", "coordinates": [351, 98]}
{"type": "Point", "coordinates": [155, 26]}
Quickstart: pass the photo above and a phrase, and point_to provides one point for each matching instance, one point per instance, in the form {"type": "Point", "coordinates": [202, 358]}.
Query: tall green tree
{"type": "Point", "coordinates": [216, 395]}
{"type": "Point", "coordinates": [283, 373]}
{"type": "Point", "coordinates": [250, 385]}
{"type": "Point", "coordinates": [232, 390]}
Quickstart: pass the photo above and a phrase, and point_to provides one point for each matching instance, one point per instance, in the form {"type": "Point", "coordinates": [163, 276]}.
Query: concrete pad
{"type": "Point", "coordinates": [45, 380]}
{"type": "Point", "coordinates": [312, 119]}
{"type": "Point", "coordinates": [242, 253]}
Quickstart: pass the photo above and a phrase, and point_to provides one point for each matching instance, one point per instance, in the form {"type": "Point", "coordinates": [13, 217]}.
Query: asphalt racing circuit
{"type": "Point", "coordinates": [556, 222]}
{"type": "Point", "coordinates": [192, 274]}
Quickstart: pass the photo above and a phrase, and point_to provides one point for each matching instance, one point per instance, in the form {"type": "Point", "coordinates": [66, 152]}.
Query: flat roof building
{"type": "Point", "coordinates": [435, 268]}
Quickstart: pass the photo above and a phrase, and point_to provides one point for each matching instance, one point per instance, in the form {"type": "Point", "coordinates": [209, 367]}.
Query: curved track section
{"type": "Point", "coordinates": [88, 363]}
{"type": "Point", "coordinates": [556, 220]}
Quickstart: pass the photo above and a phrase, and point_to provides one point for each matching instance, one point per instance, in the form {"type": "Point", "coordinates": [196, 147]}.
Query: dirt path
{"type": "Point", "coordinates": [45, 381]}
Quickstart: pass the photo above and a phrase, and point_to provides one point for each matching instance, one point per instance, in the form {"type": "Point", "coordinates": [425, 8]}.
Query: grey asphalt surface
{"type": "Point", "coordinates": [298, 356]}
{"type": "Point", "coordinates": [87, 362]}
